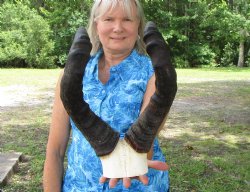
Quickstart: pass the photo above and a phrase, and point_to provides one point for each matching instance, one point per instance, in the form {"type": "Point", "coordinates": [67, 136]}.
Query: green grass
{"type": "Point", "coordinates": [24, 127]}
{"type": "Point", "coordinates": [32, 77]}
{"type": "Point", "coordinates": [206, 139]}
{"type": "Point", "coordinates": [212, 74]}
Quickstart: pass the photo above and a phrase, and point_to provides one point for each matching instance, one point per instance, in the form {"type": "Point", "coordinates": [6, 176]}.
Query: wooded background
{"type": "Point", "coordinates": [38, 33]}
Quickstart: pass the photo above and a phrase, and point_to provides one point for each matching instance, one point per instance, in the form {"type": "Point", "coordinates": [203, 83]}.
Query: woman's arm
{"type": "Point", "coordinates": [149, 92]}
{"type": "Point", "coordinates": [56, 147]}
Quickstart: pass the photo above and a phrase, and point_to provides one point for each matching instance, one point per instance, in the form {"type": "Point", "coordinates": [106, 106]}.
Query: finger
{"type": "Point", "coordinates": [159, 165]}
{"type": "Point", "coordinates": [143, 179]}
{"type": "Point", "coordinates": [126, 182]}
{"type": "Point", "coordinates": [103, 179]}
{"type": "Point", "coordinates": [113, 182]}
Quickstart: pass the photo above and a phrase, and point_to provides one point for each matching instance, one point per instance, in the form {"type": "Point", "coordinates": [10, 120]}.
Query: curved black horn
{"type": "Point", "coordinates": [142, 133]}
{"type": "Point", "coordinates": [99, 134]}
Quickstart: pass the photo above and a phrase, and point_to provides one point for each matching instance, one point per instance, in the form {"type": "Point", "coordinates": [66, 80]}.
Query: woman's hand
{"type": "Point", "coordinates": [158, 165]}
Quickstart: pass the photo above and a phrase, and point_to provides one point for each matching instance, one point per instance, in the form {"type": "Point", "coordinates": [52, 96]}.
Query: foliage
{"type": "Point", "coordinates": [24, 37]}
{"type": "Point", "coordinates": [229, 56]}
{"type": "Point", "coordinates": [64, 18]}
{"type": "Point", "coordinates": [199, 32]}
{"type": "Point", "coordinates": [181, 62]}
{"type": "Point", "coordinates": [201, 55]}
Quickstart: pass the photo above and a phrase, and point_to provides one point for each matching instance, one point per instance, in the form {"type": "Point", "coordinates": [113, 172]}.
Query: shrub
{"type": "Point", "coordinates": [65, 18]}
{"type": "Point", "coordinates": [25, 38]}
{"type": "Point", "coordinates": [181, 62]}
{"type": "Point", "coordinates": [228, 56]}
{"type": "Point", "coordinates": [201, 55]}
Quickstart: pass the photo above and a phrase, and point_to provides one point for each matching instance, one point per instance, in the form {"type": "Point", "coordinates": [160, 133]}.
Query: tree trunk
{"type": "Point", "coordinates": [241, 55]}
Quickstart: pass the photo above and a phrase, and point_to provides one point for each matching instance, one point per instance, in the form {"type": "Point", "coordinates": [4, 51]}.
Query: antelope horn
{"type": "Point", "coordinates": [98, 133]}
{"type": "Point", "coordinates": [143, 132]}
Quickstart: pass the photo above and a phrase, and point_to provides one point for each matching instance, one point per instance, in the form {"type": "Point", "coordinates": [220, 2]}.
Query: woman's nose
{"type": "Point", "coordinates": [118, 27]}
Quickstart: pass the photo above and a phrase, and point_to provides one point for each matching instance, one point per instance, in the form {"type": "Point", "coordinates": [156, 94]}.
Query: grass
{"type": "Point", "coordinates": [206, 139]}
{"type": "Point", "coordinates": [25, 123]}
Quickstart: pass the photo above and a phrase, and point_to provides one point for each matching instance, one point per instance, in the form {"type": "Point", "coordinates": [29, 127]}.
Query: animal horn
{"type": "Point", "coordinates": [143, 132]}
{"type": "Point", "coordinates": [99, 134]}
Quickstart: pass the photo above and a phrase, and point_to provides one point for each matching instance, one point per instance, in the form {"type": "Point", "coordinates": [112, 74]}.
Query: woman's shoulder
{"type": "Point", "coordinates": [136, 67]}
{"type": "Point", "coordinates": [93, 62]}
{"type": "Point", "coordinates": [140, 56]}
{"type": "Point", "coordinates": [142, 62]}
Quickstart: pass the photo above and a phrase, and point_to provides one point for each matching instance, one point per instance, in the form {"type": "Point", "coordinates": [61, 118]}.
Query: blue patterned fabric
{"type": "Point", "coordinates": [117, 102]}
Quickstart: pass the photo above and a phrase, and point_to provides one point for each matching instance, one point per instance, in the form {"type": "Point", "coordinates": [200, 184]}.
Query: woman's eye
{"type": "Point", "coordinates": [108, 19]}
{"type": "Point", "coordinates": [127, 19]}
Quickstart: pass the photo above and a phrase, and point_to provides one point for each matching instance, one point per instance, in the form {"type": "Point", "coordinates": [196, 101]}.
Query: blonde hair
{"type": "Point", "coordinates": [100, 7]}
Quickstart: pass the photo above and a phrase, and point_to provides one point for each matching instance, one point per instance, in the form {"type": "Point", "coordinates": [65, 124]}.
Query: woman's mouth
{"type": "Point", "coordinates": [118, 38]}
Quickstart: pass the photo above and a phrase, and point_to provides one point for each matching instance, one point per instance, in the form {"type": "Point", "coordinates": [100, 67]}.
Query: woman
{"type": "Point", "coordinates": [118, 83]}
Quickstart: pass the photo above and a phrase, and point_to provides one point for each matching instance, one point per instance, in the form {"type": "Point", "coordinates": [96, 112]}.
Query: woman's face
{"type": "Point", "coordinates": [117, 31]}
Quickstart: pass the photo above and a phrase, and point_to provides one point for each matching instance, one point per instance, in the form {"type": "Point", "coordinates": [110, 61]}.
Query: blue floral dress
{"type": "Point", "coordinates": [117, 102]}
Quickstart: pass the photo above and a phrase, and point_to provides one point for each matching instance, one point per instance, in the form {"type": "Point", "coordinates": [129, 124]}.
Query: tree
{"type": "Point", "coordinates": [242, 7]}
{"type": "Point", "coordinates": [199, 32]}
{"type": "Point", "coordinates": [25, 37]}
{"type": "Point", "coordinates": [64, 18]}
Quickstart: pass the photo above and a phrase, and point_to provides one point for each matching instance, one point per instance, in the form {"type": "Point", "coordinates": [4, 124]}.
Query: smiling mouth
{"type": "Point", "coordinates": [118, 38]}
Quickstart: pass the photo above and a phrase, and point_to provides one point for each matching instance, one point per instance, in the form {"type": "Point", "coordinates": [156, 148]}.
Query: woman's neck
{"type": "Point", "coordinates": [112, 59]}
{"type": "Point", "coordinates": [106, 62]}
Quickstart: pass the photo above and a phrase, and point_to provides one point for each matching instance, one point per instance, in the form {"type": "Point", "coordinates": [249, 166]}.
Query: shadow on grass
{"type": "Point", "coordinates": [206, 138]}
{"type": "Point", "coordinates": [207, 165]}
